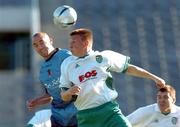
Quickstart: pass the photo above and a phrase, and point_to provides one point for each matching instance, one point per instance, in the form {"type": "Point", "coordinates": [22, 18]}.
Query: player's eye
{"type": "Point", "coordinates": [35, 45]}
{"type": "Point", "coordinates": [166, 97]}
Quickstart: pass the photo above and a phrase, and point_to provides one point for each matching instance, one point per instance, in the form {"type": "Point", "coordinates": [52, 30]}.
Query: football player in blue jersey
{"type": "Point", "coordinates": [63, 113]}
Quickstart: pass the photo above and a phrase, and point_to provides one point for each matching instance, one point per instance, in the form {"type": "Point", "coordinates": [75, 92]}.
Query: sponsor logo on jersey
{"type": "Point", "coordinates": [53, 84]}
{"type": "Point", "coordinates": [174, 120]}
{"type": "Point", "coordinates": [88, 75]}
{"type": "Point", "coordinates": [99, 58]}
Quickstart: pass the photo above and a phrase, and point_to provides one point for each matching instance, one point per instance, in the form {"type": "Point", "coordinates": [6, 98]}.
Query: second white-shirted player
{"type": "Point", "coordinates": [164, 113]}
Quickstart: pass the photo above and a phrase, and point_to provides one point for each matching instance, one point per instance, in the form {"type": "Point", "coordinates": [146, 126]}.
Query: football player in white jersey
{"type": "Point", "coordinates": [87, 75]}
{"type": "Point", "coordinates": [164, 113]}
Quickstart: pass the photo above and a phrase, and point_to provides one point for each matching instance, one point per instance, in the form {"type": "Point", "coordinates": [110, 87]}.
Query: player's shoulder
{"type": "Point", "coordinates": [112, 54]}
{"type": "Point", "coordinates": [104, 53]}
{"type": "Point", "coordinates": [64, 52]}
{"type": "Point", "coordinates": [177, 108]}
{"type": "Point", "coordinates": [148, 108]}
{"type": "Point", "coordinates": [109, 52]}
{"type": "Point", "coordinates": [69, 60]}
{"type": "Point", "coordinates": [152, 105]}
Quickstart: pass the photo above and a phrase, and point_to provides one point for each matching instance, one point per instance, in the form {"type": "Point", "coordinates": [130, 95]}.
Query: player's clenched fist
{"type": "Point", "coordinates": [67, 95]}
{"type": "Point", "coordinates": [74, 90]}
{"type": "Point", "coordinates": [160, 82]}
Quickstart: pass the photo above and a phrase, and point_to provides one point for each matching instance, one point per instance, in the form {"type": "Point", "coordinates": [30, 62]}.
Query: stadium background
{"type": "Point", "coordinates": [147, 31]}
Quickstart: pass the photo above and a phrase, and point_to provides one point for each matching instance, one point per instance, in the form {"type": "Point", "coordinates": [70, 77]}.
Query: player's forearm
{"type": "Point", "coordinates": [43, 100]}
{"type": "Point", "coordinates": [139, 72]}
{"type": "Point", "coordinates": [66, 96]}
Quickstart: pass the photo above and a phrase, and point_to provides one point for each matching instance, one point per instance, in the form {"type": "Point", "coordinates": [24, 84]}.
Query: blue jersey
{"type": "Point", "coordinates": [50, 71]}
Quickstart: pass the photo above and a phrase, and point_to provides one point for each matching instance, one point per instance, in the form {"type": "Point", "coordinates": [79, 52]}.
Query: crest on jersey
{"type": "Point", "coordinates": [174, 120]}
{"type": "Point", "coordinates": [99, 58]}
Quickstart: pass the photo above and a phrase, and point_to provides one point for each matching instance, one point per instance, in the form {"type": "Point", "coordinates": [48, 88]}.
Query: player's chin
{"type": "Point", "coordinates": [70, 47]}
{"type": "Point", "coordinates": [73, 51]}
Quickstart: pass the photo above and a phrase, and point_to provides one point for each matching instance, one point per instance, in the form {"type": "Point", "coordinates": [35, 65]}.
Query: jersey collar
{"type": "Point", "coordinates": [52, 54]}
{"type": "Point", "coordinates": [89, 53]}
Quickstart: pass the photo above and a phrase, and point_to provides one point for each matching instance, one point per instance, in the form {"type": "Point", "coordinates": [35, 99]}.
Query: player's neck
{"type": "Point", "coordinates": [85, 54]}
{"type": "Point", "coordinates": [51, 54]}
{"type": "Point", "coordinates": [166, 112]}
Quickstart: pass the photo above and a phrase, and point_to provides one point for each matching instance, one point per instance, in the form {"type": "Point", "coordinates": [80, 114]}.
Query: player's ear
{"type": "Point", "coordinates": [86, 43]}
{"type": "Point", "coordinates": [51, 40]}
{"type": "Point", "coordinates": [174, 100]}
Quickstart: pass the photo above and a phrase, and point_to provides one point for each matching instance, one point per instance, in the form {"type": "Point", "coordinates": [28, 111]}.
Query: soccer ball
{"type": "Point", "coordinates": [64, 16]}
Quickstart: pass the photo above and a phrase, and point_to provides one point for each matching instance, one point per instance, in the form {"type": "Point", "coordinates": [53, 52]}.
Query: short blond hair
{"type": "Point", "coordinates": [86, 34]}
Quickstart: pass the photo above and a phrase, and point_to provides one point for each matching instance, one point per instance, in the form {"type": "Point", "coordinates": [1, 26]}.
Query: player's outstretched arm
{"type": "Point", "coordinates": [44, 99]}
{"type": "Point", "coordinates": [140, 72]}
{"type": "Point", "coordinates": [67, 95]}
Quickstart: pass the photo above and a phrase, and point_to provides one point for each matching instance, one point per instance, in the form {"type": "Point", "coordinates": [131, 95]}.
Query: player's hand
{"type": "Point", "coordinates": [30, 105]}
{"type": "Point", "coordinates": [67, 95]}
{"type": "Point", "coordinates": [74, 90]}
{"type": "Point", "coordinates": [160, 83]}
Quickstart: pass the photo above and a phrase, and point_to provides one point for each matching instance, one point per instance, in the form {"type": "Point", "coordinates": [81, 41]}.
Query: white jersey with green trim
{"type": "Point", "coordinates": [92, 74]}
{"type": "Point", "coordinates": [150, 116]}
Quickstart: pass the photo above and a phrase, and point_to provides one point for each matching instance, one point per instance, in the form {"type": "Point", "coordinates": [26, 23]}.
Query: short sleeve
{"type": "Point", "coordinates": [116, 61]}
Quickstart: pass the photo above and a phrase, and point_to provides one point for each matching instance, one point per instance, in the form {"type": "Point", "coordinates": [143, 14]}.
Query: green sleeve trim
{"type": "Point", "coordinates": [126, 64]}
{"type": "Point", "coordinates": [108, 69]}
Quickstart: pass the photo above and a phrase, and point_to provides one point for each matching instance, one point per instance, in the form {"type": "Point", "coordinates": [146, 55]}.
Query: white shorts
{"type": "Point", "coordinates": [41, 118]}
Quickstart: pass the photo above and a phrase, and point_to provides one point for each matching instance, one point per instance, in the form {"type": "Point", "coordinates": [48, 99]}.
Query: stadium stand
{"type": "Point", "coordinates": [147, 31]}
{"type": "Point", "coordinates": [15, 2]}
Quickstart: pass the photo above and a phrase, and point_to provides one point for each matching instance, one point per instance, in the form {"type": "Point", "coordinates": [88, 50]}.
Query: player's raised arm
{"type": "Point", "coordinates": [140, 72]}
